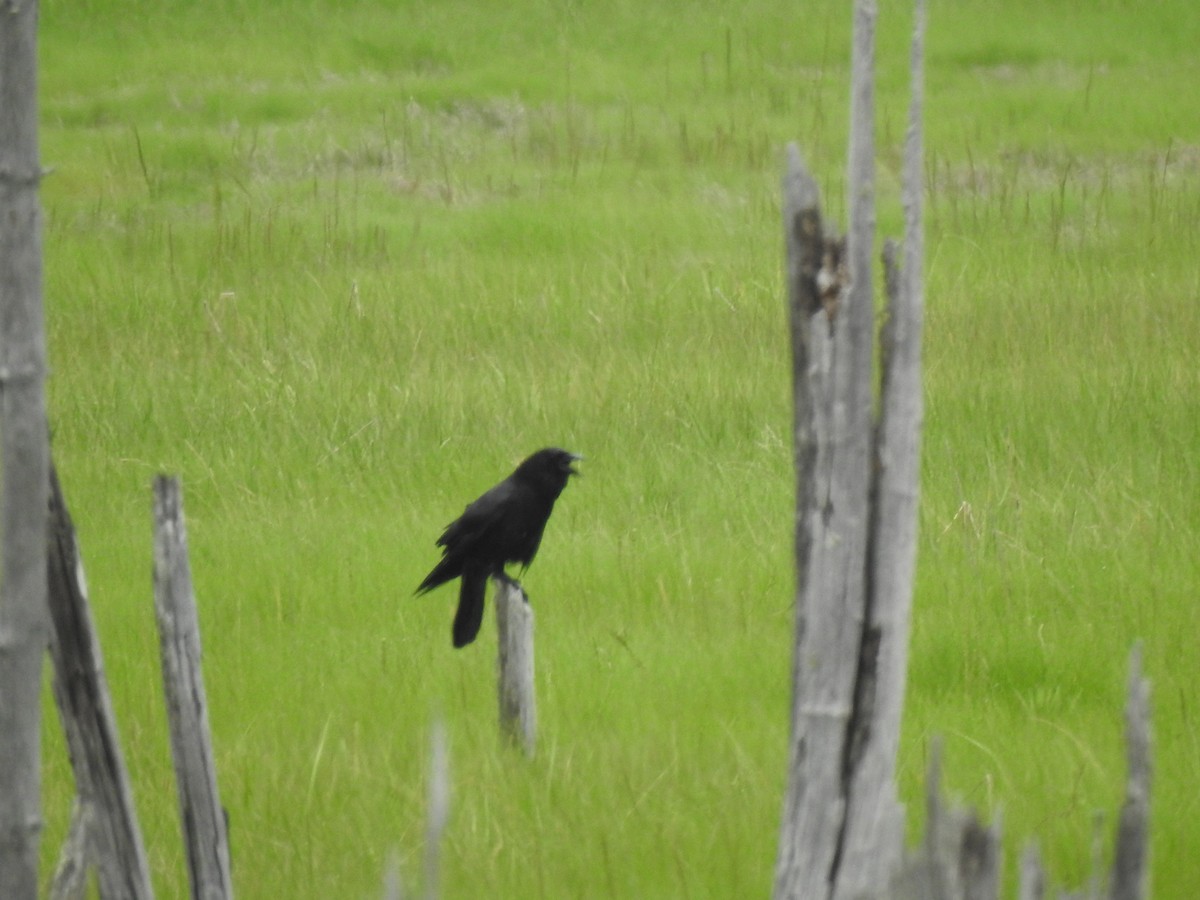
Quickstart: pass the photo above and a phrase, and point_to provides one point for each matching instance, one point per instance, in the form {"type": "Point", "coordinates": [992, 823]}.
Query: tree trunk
{"type": "Point", "coordinates": [24, 456]}
{"type": "Point", "coordinates": [873, 838]}
{"type": "Point", "coordinates": [855, 514]}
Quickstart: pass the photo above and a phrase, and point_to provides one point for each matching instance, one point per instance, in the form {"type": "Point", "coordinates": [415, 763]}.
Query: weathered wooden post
{"type": "Point", "coordinates": [872, 841]}
{"type": "Point", "coordinates": [960, 856]}
{"type": "Point", "coordinates": [436, 816]}
{"type": "Point", "coordinates": [439, 809]}
{"type": "Point", "coordinates": [1130, 878]}
{"type": "Point", "coordinates": [24, 456]}
{"type": "Point", "coordinates": [104, 813]}
{"type": "Point", "coordinates": [855, 514]}
{"type": "Point", "coordinates": [514, 625]}
{"type": "Point", "coordinates": [204, 827]}
{"type": "Point", "coordinates": [74, 860]}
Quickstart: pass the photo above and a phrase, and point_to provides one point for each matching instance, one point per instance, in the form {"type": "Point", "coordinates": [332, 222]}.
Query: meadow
{"type": "Point", "coordinates": [341, 266]}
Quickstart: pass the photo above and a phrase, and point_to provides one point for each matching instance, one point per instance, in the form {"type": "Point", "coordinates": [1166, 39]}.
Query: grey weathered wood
{"type": "Point", "coordinates": [1031, 880]}
{"type": "Point", "coordinates": [518, 706]}
{"type": "Point", "coordinates": [439, 809]}
{"type": "Point", "coordinates": [70, 876]}
{"type": "Point", "coordinates": [873, 836]}
{"type": "Point", "coordinates": [85, 708]}
{"type": "Point", "coordinates": [959, 857]}
{"type": "Point", "coordinates": [437, 816]}
{"type": "Point", "coordinates": [1131, 857]}
{"type": "Point", "coordinates": [832, 366]}
{"type": "Point", "coordinates": [204, 827]}
{"type": "Point", "coordinates": [393, 888]}
{"type": "Point", "coordinates": [24, 456]}
{"type": "Point", "coordinates": [822, 682]}
{"type": "Point", "coordinates": [855, 542]}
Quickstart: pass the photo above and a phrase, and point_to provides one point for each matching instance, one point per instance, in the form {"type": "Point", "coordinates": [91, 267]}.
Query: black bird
{"type": "Point", "coordinates": [503, 526]}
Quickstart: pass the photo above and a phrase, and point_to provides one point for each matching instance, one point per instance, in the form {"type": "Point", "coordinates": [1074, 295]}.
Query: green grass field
{"type": "Point", "coordinates": [341, 266]}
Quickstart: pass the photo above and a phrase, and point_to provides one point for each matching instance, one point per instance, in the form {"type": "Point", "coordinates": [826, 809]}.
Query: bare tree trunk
{"type": "Point", "coordinates": [826, 649]}
{"type": "Point", "coordinates": [1131, 859]}
{"type": "Point", "coordinates": [831, 309]}
{"type": "Point", "coordinates": [514, 626]}
{"type": "Point", "coordinates": [24, 456]}
{"type": "Point", "coordinates": [85, 707]}
{"type": "Point", "coordinates": [875, 825]}
{"type": "Point", "coordinates": [204, 827]}
{"type": "Point", "coordinates": [856, 537]}
{"type": "Point", "coordinates": [959, 858]}
{"type": "Point", "coordinates": [855, 515]}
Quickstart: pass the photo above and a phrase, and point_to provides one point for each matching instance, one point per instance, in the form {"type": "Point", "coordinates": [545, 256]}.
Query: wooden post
{"type": "Point", "coordinates": [439, 809]}
{"type": "Point", "coordinates": [856, 517]}
{"type": "Point", "coordinates": [1131, 857]}
{"type": "Point", "coordinates": [873, 838]}
{"type": "Point", "coordinates": [85, 708]}
{"type": "Point", "coordinates": [24, 456]}
{"type": "Point", "coordinates": [959, 856]}
{"type": "Point", "coordinates": [204, 826]}
{"type": "Point", "coordinates": [70, 876]}
{"type": "Point", "coordinates": [856, 504]}
{"type": "Point", "coordinates": [514, 624]}
{"type": "Point", "coordinates": [822, 679]}
{"type": "Point", "coordinates": [1031, 880]}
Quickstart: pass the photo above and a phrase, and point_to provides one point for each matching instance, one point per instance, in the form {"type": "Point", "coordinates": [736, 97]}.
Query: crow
{"type": "Point", "coordinates": [503, 526]}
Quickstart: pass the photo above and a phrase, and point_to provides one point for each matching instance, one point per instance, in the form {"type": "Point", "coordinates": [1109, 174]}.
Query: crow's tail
{"type": "Point", "coordinates": [449, 568]}
{"type": "Point", "coordinates": [470, 608]}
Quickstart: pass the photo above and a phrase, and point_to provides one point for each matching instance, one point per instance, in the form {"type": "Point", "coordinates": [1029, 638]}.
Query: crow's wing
{"type": "Point", "coordinates": [480, 520]}
{"type": "Point", "coordinates": [466, 541]}
{"type": "Point", "coordinates": [504, 525]}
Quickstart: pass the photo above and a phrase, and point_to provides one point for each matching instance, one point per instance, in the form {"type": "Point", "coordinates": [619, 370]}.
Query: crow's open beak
{"type": "Point", "coordinates": [575, 457]}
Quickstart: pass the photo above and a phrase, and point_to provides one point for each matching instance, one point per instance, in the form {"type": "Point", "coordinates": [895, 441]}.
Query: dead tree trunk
{"type": "Point", "coordinates": [24, 456]}
{"type": "Point", "coordinates": [204, 826]}
{"type": "Point", "coordinates": [518, 705]}
{"type": "Point", "coordinates": [959, 856]}
{"type": "Point", "coordinates": [1131, 859]}
{"type": "Point", "coordinates": [105, 798]}
{"type": "Point", "coordinates": [873, 834]}
{"type": "Point", "coordinates": [855, 518]}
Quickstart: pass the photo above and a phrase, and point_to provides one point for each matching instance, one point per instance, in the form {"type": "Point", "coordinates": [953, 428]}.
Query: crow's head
{"type": "Point", "coordinates": [550, 466]}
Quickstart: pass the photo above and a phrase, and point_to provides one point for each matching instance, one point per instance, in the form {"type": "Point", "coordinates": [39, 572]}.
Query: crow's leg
{"type": "Point", "coordinates": [503, 576]}
{"type": "Point", "coordinates": [512, 582]}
